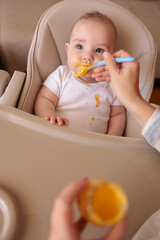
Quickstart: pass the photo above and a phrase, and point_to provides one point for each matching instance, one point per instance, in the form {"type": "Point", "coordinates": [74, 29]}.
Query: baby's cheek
{"type": "Point", "coordinates": [71, 64]}
{"type": "Point", "coordinates": [75, 65]}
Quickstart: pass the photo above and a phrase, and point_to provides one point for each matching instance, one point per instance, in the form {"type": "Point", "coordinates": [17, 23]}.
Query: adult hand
{"type": "Point", "coordinates": [125, 83]}
{"type": "Point", "coordinates": [124, 77]}
{"type": "Point", "coordinates": [62, 225]}
{"type": "Point", "coordinates": [101, 74]}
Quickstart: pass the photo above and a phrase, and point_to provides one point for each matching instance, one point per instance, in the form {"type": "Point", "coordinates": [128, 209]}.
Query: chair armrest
{"type": "Point", "coordinates": [11, 95]}
{"type": "Point", "coordinates": [4, 80]}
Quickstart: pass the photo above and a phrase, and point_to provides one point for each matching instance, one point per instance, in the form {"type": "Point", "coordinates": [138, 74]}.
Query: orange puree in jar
{"type": "Point", "coordinates": [103, 203]}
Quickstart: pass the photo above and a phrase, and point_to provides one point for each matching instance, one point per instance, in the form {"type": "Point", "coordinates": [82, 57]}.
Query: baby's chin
{"type": "Point", "coordinates": [87, 78]}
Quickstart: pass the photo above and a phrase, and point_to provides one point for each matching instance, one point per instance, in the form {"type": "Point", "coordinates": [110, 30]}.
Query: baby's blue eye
{"type": "Point", "coordinates": [100, 50]}
{"type": "Point", "coordinates": [79, 46]}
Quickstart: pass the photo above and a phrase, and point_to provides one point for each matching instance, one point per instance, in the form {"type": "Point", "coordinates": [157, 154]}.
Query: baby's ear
{"type": "Point", "coordinates": [66, 47]}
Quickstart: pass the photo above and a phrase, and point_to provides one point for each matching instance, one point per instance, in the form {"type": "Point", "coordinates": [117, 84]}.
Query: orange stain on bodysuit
{"type": "Point", "coordinates": [97, 97]}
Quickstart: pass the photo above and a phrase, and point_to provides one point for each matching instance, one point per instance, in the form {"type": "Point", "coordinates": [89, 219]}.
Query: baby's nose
{"type": "Point", "coordinates": [88, 57]}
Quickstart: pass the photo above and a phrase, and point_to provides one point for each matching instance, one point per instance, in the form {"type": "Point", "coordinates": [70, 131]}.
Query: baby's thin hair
{"type": "Point", "coordinates": [96, 15]}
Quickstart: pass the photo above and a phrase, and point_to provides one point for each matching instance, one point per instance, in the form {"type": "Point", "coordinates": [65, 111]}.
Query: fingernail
{"type": "Point", "coordinates": [84, 179]}
{"type": "Point", "coordinates": [106, 55]}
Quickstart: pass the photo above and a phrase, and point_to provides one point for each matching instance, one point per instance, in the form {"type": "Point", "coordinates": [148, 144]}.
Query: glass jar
{"type": "Point", "coordinates": [103, 203]}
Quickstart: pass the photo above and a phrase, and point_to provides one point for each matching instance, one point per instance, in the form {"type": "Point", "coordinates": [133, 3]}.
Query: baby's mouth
{"type": "Point", "coordinates": [84, 68]}
{"type": "Point", "coordinates": [87, 64]}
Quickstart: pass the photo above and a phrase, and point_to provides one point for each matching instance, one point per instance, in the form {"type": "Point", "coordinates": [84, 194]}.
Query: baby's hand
{"type": "Point", "coordinates": [101, 74]}
{"type": "Point", "coordinates": [56, 119]}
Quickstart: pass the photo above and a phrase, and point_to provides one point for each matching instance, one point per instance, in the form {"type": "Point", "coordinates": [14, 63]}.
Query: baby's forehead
{"type": "Point", "coordinates": [92, 23]}
{"type": "Point", "coordinates": [89, 23]}
{"type": "Point", "coordinates": [89, 20]}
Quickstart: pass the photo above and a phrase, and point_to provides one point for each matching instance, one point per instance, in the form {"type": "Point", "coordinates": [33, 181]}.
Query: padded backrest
{"type": "Point", "coordinates": [47, 50]}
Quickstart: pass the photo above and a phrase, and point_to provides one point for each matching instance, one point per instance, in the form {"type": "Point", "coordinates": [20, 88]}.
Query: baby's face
{"type": "Point", "coordinates": [89, 39]}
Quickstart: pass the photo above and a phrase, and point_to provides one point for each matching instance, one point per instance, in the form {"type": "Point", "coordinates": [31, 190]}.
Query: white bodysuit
{"type": "Point", "coordinates": [85, 105]}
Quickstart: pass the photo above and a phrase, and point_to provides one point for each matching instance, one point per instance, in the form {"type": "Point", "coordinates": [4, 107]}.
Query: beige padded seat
{"type": "Point", "coordinates": [38, 159]}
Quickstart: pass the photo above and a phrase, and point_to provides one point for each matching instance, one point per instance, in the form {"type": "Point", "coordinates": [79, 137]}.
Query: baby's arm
{"type": "Point", "coordinates": [45, 106]}
{"type": "Point", "coordinates": [117, 120]}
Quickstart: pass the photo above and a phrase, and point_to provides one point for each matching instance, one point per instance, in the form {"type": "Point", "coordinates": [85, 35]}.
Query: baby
{"type": "Point", "coordinates": [80, 101]}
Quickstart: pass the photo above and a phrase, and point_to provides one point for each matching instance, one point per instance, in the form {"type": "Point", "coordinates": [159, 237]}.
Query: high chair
{"type": "Point", "coordinates": [38, 159]}
{"type": "Point", "coordinates": [47, 51]}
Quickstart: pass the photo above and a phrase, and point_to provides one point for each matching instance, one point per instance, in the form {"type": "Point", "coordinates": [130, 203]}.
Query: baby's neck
{"type": "Point", "coordinates": [87, 80]}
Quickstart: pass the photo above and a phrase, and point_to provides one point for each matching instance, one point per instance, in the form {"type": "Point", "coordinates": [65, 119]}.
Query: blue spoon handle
{"type": "Point", "coordinates": [118, 60]}
{"type": "Point", "coordinates": [124, 59]}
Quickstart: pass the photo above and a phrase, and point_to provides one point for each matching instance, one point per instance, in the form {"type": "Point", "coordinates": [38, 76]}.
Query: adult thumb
{"type": "Point", "coordinates": [110, 63]}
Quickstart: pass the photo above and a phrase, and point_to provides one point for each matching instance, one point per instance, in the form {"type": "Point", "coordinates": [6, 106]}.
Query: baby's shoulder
{"type": "Point", "coordinates": [64, 69]}
{"type": "Point", "coordinates": [60, 73]}
{"type": "Point", "coordinates": [65, 72]}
